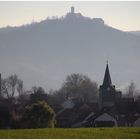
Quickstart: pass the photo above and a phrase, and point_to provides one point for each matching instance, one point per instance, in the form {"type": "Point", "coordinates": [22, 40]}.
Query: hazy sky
{"type": "Point", "coordinates": [121, 15]}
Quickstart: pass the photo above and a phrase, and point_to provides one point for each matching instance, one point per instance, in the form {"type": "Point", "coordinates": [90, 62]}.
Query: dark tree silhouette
{"type": "Point", "coordinates": [132, 90]}
{"type": "Point", "coordinates": [79, 86]}
{"type": "Point", "coordinates": [38, 94]}
{"type": "Point", "coordinates": [38, 115]}
{"type": "Point", "coordinates": [10, 85]}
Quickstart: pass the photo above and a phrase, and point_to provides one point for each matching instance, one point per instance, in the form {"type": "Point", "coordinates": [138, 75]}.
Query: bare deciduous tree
{"type": "Point", "coordinates": [79, 86]}
{"type": "Point", "coordinates": [132, 90]}
{"type": "Point", "coordinates": [10, 85]}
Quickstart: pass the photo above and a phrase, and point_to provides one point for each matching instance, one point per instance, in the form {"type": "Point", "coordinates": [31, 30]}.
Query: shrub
{"type": "Point", "coordinates": [38, 115]}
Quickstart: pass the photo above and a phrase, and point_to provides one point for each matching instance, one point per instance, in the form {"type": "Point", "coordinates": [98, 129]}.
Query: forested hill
{"type": "Point", "coordinates": [44, 53]}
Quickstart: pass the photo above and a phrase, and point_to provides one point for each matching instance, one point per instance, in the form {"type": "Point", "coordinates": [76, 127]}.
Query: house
{"type": "Point", "coordinates": [137, 122]}
{"type": "Point", "coordinates": [68, 104]}
{"type": "Point", "coordinates": [105, 120]}
{"type": "Point", "coordinates": [125, 105]}
{"type": "Point", "coordinates": [82, 123]}
{"type": "Point", "coordinates": [73, 117]}
{"type": "Point", "coordinates": [66, 118]}
{"type": "Point", "coordinates": [101, 119]}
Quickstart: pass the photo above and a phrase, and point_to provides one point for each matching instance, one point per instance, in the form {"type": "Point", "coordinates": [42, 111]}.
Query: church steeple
{"type": "Point", "coordinates": [107, 92]}
{"type": "Point", "coordinates": [107, 79]}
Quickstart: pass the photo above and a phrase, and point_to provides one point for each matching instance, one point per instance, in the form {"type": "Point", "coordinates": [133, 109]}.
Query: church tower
{"type": "Point", "coordinates": [107, 92]}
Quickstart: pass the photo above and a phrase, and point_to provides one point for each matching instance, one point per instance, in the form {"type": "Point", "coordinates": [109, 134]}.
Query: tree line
{"type": "Point", "coordinates": [20, 108]}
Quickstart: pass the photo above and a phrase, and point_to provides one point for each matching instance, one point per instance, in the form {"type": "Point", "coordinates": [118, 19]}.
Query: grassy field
{"type": "Point", "coordinates": [78, 133]}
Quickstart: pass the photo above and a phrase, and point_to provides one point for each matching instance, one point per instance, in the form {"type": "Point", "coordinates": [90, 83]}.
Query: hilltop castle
{"type": "Point", "coordinates": [72, 15]}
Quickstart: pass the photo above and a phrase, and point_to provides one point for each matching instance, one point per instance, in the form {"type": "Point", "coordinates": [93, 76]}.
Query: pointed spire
{"type": "Point", "coordinates": [107, 79]}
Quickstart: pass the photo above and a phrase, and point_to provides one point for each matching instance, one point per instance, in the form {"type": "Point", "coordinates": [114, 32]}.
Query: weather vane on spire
{"type": "Point", "coordinates": [107, 61]}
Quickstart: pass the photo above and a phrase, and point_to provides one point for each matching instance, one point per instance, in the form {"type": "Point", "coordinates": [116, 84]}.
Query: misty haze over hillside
{"type": "Point", "coordinates": [135, 32]}
{"type": "Point", "coordinates": [45, 53]}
